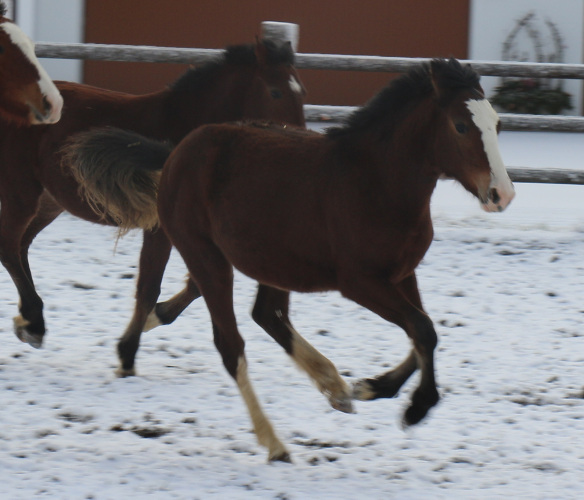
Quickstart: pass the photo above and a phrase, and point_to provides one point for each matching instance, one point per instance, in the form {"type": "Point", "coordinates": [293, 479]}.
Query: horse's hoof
{"type": "Point", "coordinates": [24, 335]}
{"type": "Point", "coordinates": [415, 414]}
{"type": "Point", "coordinates": [125, 372]}
{"type": "Point", "coordinates": [363, 391]}
{"type": "Point", "coordinates": [344, 404]}
{"type": "Point", "coordinates": [282, 456]}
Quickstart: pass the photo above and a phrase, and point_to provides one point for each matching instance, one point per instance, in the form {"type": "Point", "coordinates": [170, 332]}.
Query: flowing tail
{"type": "Point", "coordinates": [118, 172]}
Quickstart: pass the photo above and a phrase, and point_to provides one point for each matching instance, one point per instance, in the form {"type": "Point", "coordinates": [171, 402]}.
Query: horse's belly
{"type": "Point", "coordinates": [282, 269]}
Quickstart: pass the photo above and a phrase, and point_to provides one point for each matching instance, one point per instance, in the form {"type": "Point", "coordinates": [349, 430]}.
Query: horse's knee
{"type": "Point", "coordinates": [265, 317]}
{"type": "Point", "coordinates": [275, 322]}
{"type": "Point", "coordinates": [424, 334]}
{"type": "Point", "coordinates": [258, 314]}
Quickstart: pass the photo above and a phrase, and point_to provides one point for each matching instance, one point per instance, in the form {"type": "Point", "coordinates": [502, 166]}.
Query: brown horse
{"type": "Point", "coordinates": [27, 95]}
{"type": "Point", "coordinates": [255, 81]}
{"type": "Point", "coordinates": [348, 210]}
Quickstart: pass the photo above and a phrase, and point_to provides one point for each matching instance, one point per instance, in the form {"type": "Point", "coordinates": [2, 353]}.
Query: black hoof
{"type": "Point", "coordinates": [413, 416]}
{"type": "Point", "coordinates": [282, 457]}
{"type": "Point", "coordinates": [122, 372]}
{"type": "Point", "coordinates": [127, 359]}
{"type": "Point", "coordinates": [419, 409]}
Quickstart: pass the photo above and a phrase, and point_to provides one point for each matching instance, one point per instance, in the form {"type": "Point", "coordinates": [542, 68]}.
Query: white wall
{"type": "Point", "coordinates": [491, 22]}
{"type": "Point", "coordinates": [54, 21]}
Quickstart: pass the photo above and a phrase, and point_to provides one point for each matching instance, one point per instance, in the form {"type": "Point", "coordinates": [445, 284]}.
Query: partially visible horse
{"type": "Point", "coordinates": [27, 95]}
{"type": "Point", "coordinates": [255, 81]}
{"type": "Point", "coordinates": [348, 210]}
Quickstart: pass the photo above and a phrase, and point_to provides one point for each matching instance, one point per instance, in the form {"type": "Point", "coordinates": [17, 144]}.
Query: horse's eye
{"type": "Point", "coordinates": [276, 93]}
{"type": "Point", "coordinates": [461, 128]}
{"type": "Point", "coordinates": [1, 49]}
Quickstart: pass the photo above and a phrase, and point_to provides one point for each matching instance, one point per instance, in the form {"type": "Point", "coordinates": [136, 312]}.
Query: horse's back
{"type": "Point", "coordinates": [252, 190]}
{"type": "Point", "coordinates": [74, 89]}
{"type": "Point", "coordinates": [222, 158]}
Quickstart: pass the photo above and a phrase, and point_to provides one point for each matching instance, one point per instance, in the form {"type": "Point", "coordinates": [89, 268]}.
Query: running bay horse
{"type": "Point", "coordinates": [256, 81]}
{"type": "Point", "coordinates": [27, 95]}
{"type": "Point", "coordinates": [348, 210]}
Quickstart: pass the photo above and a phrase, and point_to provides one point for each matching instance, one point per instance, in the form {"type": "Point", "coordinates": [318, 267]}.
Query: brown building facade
{"type": "Point", "coordinates": [403, 28]}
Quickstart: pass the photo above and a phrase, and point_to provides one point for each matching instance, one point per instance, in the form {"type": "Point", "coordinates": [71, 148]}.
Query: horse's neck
{"type": "Point", "coordinates": [400, 166]}
{"type": "Point", "coordinates": [221, 99]}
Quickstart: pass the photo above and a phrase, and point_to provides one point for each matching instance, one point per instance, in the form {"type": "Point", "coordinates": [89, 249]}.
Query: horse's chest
{"type": "Point", "coordinates": [407, 250]}
{"type": "Point", "coordinates": [416, 245]}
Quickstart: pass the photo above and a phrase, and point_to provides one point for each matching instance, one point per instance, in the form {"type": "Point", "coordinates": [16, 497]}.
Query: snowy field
{"type": "Point", "coordinates": [506, 292]}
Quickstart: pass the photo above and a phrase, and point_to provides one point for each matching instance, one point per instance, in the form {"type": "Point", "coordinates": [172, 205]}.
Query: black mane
{"type": "Point", "coordinates": [415, 84]}
{"type": "Point", "coordinates": [454, 75]}
{"type": "Point", "coordinates": [236, 55]}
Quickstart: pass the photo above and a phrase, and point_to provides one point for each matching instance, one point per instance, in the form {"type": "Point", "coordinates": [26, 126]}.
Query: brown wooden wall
{"type": "Point", "coordinates": [406, 28]}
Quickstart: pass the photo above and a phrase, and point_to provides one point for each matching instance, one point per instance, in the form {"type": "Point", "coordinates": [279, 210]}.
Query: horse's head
{"type": "Point", "coordinates": [276, 92]}
{"type": "Point", "coordinates": [249, 82]}
{"type": "Point", "coordinates": [27, 94]}
{"type": "Point", "coordinates": [467, 143]}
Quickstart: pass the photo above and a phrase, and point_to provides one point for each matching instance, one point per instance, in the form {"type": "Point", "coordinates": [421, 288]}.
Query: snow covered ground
{"type": "Point", "coordinates": [506, 292]}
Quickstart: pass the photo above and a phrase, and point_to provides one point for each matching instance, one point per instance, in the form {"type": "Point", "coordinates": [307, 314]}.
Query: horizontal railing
{"type": "Point", "coordinates": [334, 62]}
{"type": "Point", "coordinates": [516, 122]}
{"type": "Point", "coordinates": [133, 53]}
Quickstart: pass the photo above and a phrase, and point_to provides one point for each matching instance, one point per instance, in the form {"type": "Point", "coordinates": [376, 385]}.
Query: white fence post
{"type": "Point", "coordinates": [281, 32]}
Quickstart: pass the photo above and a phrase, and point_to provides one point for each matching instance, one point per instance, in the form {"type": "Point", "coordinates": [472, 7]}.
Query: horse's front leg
{"type": "Point", "coordinates": [399, 305]}
{"type": "Point", "coordinates": [17, 211]}
{"type": "Point", "coordinates": [153, 259]}
{"type": "Point", "coordinates": [387, 385]}
{"type": "Point", "coordinates": [47, 212]}
{"type": "Point", "coordinates": [166, 312]}
{"type": "Point", "coordinates": [271, 313]}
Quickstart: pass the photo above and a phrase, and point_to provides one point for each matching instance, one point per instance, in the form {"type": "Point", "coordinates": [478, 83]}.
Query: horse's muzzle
{"type": "Point", "coordinates": [498, 198]}
{"type": "Point", "coordinates": [49, 112]}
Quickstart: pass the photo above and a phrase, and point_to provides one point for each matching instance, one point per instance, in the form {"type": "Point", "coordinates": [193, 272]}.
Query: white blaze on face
{"type": "Point", "coordinates": [295, 85]}
{"type": "Point", "coordinates": [501, 190]}
{"type": "Point", "coordinates": [46, 85]}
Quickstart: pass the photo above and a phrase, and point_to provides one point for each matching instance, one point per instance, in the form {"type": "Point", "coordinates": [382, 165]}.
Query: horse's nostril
{"type": "Point", "coordinates": [494, 195]}
{"type": "Point", "coordinates": [46, 104]}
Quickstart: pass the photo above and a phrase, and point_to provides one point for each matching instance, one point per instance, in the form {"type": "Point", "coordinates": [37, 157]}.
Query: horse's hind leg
{"type": "Point", "coordinates": [215, 278]}
{"type": "Point", "coordinates": [153, 259]}
{"type": "Point", "coordinates": [271, 313]}
{"type": "Point", "coordinates": [394, 304]}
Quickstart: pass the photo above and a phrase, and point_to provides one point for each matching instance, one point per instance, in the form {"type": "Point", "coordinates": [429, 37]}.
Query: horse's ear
{"type": "Point", "coordinates": [261, 52]}
{"type": "Point", "coordinates": [436, 75]}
